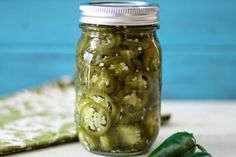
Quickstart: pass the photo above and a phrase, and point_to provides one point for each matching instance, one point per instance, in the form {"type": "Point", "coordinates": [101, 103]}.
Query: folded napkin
{"type": "Point", "coordinates": [37, 118]}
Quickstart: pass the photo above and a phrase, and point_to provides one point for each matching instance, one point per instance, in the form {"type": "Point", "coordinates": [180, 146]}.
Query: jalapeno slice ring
{"type": "Point", "coordinates": [104, 100]}
{"type": "Point", "coordinates": [95, 119]}
{"type": "Point", "coordinates": [134, 98]}
{"type": "Point", "coordinates": [101, 79]}
{"type": "Point", "coordinates": [109, 40]}
{"type": "Point", "coordinates": [128, 53]}
{"type": "Point", "coordinates": [138, 80]}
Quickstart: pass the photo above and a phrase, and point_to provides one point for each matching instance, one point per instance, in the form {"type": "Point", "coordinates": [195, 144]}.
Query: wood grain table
{"type": "Point", "coordinates": [212, 122]}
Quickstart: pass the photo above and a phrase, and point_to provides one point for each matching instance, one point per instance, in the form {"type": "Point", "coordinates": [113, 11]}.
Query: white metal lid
{"type": "Point", "coordinates": [128, 13]}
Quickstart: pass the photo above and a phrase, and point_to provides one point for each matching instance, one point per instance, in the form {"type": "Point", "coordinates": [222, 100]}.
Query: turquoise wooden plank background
{"type": "Point", "coordinates": [38, 40]}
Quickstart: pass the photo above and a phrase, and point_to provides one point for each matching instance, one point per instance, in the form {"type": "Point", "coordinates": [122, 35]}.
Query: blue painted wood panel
{"type": "Point", "coordinates": [38, 40]}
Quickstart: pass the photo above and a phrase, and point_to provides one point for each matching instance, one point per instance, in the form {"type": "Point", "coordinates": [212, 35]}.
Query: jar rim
{"type": "Point", "coordinates": [120, 13]}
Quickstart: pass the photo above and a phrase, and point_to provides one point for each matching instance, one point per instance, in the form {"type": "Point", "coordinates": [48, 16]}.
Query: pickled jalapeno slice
{"type": "Point", "coordinates": [130, 115]}
{"type": "Point", "coordinates": [128, 53]}
{"type": "Point", "coordinates": [137, 64]}
{"type": "Point", "coordinates": [132, 105]}
{"type": "Point", "coordinates": [109, 40]}
{"type": "Point", "coordinates": [131, 136]}
{"type": "Point", "coordinates": [98, 77]}
{"type": "Point", "coordinates": [134, 99]}
{"type": "Point", "coordinates": [95, 119]}
{"type": "Point", "coordinates": [135, 42]}
{"type": "Point", "coordinates": [119, 69]}
{"type": "Point", "coordinates": [101, 79]}
{"type": "Point", "coordinates": [104, 100]}
{"type": "Point", "coordinates": [138, 80]}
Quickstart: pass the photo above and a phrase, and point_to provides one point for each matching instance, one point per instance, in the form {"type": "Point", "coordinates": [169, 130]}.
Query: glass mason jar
{"type": "Point", "coordinates": [118, 78]}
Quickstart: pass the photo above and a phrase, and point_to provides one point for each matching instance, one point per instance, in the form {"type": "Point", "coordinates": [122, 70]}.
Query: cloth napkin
{"type": "Point", "coordinates": [37, 118]}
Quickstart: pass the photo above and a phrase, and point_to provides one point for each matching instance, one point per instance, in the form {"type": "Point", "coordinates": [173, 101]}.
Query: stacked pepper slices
{"type": "Point", "coordinates": [118, 88]}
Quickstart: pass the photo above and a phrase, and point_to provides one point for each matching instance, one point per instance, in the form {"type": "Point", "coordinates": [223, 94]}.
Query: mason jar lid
{"type": "Point", "coordinates": [128, 13]}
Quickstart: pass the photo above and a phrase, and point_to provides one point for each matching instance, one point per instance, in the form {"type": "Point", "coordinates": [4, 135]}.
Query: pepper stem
{"type": "Point", "coordinates": [201, 148]}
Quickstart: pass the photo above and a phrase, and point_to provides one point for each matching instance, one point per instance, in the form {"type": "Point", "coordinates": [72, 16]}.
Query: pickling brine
{"type": "Point", "coordinates": [118, 87]}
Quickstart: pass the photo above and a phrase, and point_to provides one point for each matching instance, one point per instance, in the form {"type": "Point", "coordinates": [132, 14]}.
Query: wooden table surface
{"type": "Point", "coordinates": [212, 122]}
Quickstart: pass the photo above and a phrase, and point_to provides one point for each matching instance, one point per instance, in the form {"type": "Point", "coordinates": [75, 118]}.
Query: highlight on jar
{"type": "Point", "coordinates": [118, 78]}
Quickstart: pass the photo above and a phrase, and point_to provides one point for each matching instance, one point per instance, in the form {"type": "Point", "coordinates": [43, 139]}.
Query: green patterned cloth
{"type": "Point", "coordinates": [37, 118]}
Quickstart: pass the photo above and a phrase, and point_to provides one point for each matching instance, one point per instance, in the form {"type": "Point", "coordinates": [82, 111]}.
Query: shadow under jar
{"type": "Point", "coordinates": [118, 78]}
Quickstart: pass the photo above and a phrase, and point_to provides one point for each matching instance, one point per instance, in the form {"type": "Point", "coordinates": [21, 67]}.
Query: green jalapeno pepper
{"type": "Point", "coordinates": [176, 145]}
{"type": "Point", "coordinates": [181, 144]}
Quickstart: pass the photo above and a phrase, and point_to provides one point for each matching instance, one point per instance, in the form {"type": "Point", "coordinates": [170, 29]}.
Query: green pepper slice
{"type": "Point", "coordinates": [131, 136]}
{"type": "Point", "coordinates": [135, 42]}
{"type": "Point", "coordinates": [137, 64]}
{"type": "Point", "coordinates": [138, 80]}
{"type": "Point", "coordinates": [104, 100]}
{"type": "Point", "coordinates": [119, 69]}
{"type": "Point", "coordinates": [95, 119]}
{"type": "Point", "coordinates": [100, 78]}
{"type": "Point", "coordinates": [129, 53]}
{"type": "Point", "coordinates": [131, 104]}
{"type": "Point", "coordinates": [117, 66]}
{"type": "Point", "coordinates": [109, 40]}
{"type": "Point", "coordinates": [133, 98]}
{"type": "Point", "coordinates": [130, 115]}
